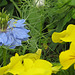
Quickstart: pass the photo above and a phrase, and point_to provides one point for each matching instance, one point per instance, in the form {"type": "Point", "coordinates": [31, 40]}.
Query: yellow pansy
{"type": "Point", "coordinates": [67, 35]}
{"type": "Point", "coordinates": [39, 67]}
{"type": "Point", "coordinates": [67, 58]}
{"type": "Point", "coordinates": [33, 56]}
{"type": "Point", "coordinates": [17, 61]}
{"type": "Point", "coordinates": [29, 67]}
{"type": "Point", "coordinates": [56, 37]}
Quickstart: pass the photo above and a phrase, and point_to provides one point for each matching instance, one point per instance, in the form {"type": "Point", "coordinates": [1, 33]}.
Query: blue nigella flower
{"type": "Point", "coordinates": [14, 34]}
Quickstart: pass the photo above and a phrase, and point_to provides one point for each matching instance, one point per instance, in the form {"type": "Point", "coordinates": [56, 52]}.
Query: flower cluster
{"type": "Point", "coordinates": [67, 35]}
{"type": "Point", "coordinates": [15, 33]}
{"type": "Point", "coordinates": [29, 64]}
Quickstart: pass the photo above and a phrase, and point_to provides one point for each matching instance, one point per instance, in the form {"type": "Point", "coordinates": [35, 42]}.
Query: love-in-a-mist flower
{"type": "Point", "coordinates": [13, 32]}
{"type": "Point", "coordinates": [67, 35]}
{"type": "Point", "coordinates": [18, 31]}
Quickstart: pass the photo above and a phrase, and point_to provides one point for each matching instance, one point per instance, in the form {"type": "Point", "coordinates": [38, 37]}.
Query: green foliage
{"type": "Point", "coordinates": [69, 71]}
{"type": "Point", "coordinates": [42, 21]}
{"type": "Point", "coordinates": [3, 3]}
{"type": "Point", "coordinates": [72, 3]}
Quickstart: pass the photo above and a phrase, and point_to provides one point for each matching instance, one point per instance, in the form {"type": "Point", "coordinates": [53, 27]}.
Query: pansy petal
{"type": "Point", "coordinates": [28, 63]}
{"type": "Point", "coordinates": [56, 37]}
{"type": "Point", "coordinates": [16, 68]}
{"type": "Point", "coordinates": [43, 68]}
{"type": "Point", "coordinates": [37, 71]}
{"type": "Point", "coordinates": [70, 34]}
{"type": "Point", "coordinates": [39, 67]}
{"type": "Point", "coordinates": [43, 64]}
{"type": "Point", "coordinates": [67, 58]}
{"type": "Point", "coordinates": [70, 28]}
{"type": "Point", "coordinates": [3, 70]}
{"type": "Point", "coordinates": [72, 46]}
{"type": "Point", "coordinates": [66, 35]}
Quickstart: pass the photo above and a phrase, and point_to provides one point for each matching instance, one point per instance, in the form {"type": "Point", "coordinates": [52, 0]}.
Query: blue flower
{"type": "Point", "coordinates": [3, 38]}
{"type": "Point", "coordinates": [15, 34]}
{"type": "Point", "coordinates": [16, 23]}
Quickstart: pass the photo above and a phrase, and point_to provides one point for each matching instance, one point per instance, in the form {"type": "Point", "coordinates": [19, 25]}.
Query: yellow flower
{"type": "Point", "coordinates": [17, 61]}
{"type": "Point", "coordinates": [67, 58]}
{"type": "Point", "coordinates": [28, 67]}
{"type": "Point", "coordinates": [39, 67]}
{"type": "Point", "coordinates": [33, 56]}
{"type": "Point", "coordinates": [67, 35]}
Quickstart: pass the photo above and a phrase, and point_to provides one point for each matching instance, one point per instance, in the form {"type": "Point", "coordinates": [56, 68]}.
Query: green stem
{"type": "Point", "coordinates": [17, 7]}
{"type": "Point", "coordinates": [4, 56]}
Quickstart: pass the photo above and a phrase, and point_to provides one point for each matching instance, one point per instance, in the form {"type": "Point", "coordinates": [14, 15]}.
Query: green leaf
{"type": "Point", "coordinates": [62, 2]}
{"type": "Point", "coordinates": [72, 3]}
{"type": "Point", "coordinates": [10, 9]}
{"type": "Point", "coordinates": [73, 16]}
{"type": "Point", "coordinates": [3, 2]}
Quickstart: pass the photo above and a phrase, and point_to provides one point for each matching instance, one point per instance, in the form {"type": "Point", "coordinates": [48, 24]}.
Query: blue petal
{"type": "Point", "coordinates": [16, 42]}
{"type": "Point", "coordinates": [26, 30]}
{"type": "Point", "coordinates": [13, 23]}
{"type": "Point", "coordinates": [10, 23]}
{"type": "Point", "coordinates": [0, 42]}
{"type": "Point", "coordinates": [19, 25]}
{"type": "Point", "coordinates": [3, 38]}
{"type": "Point", "coordinates": [21, 21]}
{"type": "Point", "coordinates": [19, 33]}
{"type": "Point", "coordinates": [12, 47]}
{"type": "Point", "coordinates": [10, 39]}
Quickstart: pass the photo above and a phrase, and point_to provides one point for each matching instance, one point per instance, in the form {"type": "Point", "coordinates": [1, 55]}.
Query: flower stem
{"type": "Point", "coordinates": [4, 56]}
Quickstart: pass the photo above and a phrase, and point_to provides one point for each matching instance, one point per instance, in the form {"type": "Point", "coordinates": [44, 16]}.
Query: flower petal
{"type": "Point", "coordinates": [16, 43]}
{"type": "Point", "coordinates": [67, 58]}
{"type": "Point", "coordinates": [70, 34]}
{"type": "Point", "coordinates": [56, 37]}
{"type": "Point", "coordinates": [66, 35]}
{"type": "Point", "coordinates": [3, 38]}
{"type": "Point", "coordinates": [20, 21]}
{"type": "Point", "coordinates": [10, 39]}
{"type": "Point", "coordinates": [13, 23]}
{"type": "Point", "coordinates": [19, 33]}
